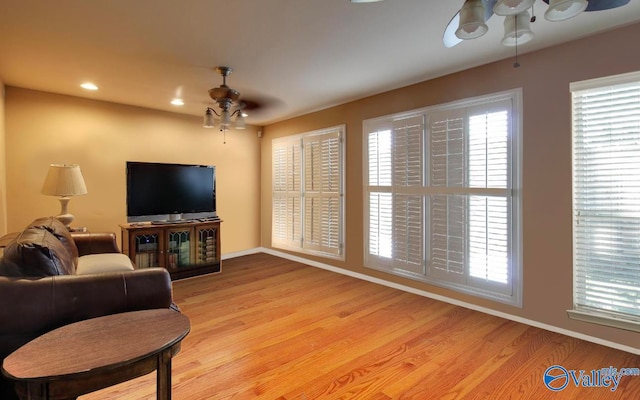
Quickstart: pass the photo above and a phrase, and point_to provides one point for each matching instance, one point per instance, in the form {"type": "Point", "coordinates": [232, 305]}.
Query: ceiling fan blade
{"type": "Point", "coordinates": [488, 8]}
{"type": "Point", "coordinates": [449, 37]}
{"type": "Point", "coordinates": [249, 105]}
{"type": "Point", "coordinates": [599, 5]}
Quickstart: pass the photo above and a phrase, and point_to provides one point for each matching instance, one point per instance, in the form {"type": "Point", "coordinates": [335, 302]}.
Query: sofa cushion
{"type": "Point", "coordinates": [103, 262]}
{"type": "Point", "coordinates": [36, 253]}
{"type": "Point", "coordinates": [57, 228]}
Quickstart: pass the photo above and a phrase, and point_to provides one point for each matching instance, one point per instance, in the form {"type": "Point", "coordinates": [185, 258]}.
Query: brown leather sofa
{"type": "Point", "coordinates": [46, 282]}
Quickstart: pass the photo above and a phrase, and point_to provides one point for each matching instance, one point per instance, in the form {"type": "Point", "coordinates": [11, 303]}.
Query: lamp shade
{"type": "Point", "coordinates": [512, 7]}
{"type": "Point", "coordinates": [559, 10]}
{"type": "Point", "coordinates": [471, 20]}
{"type": "Point", "coordinates": [64, 180]}
{"type": "Point", "coordinates": [516, 29]}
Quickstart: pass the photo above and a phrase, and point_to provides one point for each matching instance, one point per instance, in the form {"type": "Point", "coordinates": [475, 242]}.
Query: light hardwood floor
{"type": "Point", "coordinates": [269, 328]}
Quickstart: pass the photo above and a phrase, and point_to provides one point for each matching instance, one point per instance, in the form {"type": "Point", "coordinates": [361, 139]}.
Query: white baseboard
{"type": "Point", "coordinates": [242, 253]}
{"type": "Point", "coordinates": [445, 299]}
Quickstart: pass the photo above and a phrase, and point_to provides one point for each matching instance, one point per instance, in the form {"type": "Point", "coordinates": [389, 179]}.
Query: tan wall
{"type": "Point", "coordinates": [3, 167]}
{"type": "Point", "coordinates": [44, 128]}
{"type": "Point", "coordinates": [547, 217]}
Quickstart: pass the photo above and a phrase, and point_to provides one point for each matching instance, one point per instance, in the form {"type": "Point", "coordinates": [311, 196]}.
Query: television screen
{"type": "Point", "coordinates": [159, 191]}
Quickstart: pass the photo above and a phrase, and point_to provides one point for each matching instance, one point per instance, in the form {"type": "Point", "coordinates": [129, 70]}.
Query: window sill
{"type": "Point", "coordinates": [604, 319]}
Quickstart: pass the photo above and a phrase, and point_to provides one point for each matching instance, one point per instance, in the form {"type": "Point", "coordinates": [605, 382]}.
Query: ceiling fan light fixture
{"type": "Point", "coordinates": [472, 24]}
{"type": "Point", "coordinates": [517, 29]}
{"type": "Point", "coordinates": [225, 119]}
{"type": "Point", "coordinates": [512, 7]}
{"type": "Point", "coordinates": [208, 122]}
{"type": "Point", "coordinates": [560, 10]}
{"type": "Point", "coordinates": [239, 122]}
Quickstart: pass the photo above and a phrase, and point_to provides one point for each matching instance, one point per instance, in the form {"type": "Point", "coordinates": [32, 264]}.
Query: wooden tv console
{"type": "Point", "coordinates": [185, 249]}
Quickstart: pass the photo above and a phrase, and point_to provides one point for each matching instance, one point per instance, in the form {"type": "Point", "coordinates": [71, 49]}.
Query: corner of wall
{"type": "Point", "coordinates": [3, 164]}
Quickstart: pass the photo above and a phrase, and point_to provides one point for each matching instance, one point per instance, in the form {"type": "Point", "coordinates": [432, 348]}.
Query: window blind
{"type": "Point", "coordinates": [606, 196]}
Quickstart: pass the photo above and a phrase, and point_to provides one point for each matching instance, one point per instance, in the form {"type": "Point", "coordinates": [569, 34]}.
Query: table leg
{"type": "Point", "coordinates": [163, 375]}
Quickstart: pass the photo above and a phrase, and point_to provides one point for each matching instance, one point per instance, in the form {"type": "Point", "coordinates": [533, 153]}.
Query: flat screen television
{"type": "Point", "coordinates": [170, 192]}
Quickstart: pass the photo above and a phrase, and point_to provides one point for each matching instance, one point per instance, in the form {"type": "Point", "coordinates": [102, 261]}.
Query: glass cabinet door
{"type": "Point", "coordinates": [178, 248]}
{"type": "Point", "coordinates": [147, 248]}
{"type": "Point", "coordinates": [207, 251]}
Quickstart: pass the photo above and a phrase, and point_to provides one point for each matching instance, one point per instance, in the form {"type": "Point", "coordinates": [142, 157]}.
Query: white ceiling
{"type": "Point", "coordinates": [297, 56]}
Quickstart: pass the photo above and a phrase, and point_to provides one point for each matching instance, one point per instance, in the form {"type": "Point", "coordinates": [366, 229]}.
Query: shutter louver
{"type": "Point", "coordinates": [446, 150]}
{"type": "Point", "coordinates": [407, 152]}
{"type": "Point", "coordinates": [606, 199]}
{"type": "Point", "coordinates": [488, 239]}
{"type": "Point", "coordinates": [407, 233]}
{"type": "Point", "coordinates": [380, 222]}
{"type": "Point", "coordinates": [379, 146]}
{"type": "Point", "coordinates": [448, 237]}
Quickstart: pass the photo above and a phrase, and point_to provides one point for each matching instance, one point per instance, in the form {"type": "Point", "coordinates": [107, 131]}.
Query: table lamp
{"type": "Point", "coordinates": [64, 181]}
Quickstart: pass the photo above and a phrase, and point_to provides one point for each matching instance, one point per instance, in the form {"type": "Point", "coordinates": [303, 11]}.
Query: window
{"type": "Point", "coordinates": [606, 200]}
{"type": "Point", "coordinates": [441, 197]}
{"type": "Point", "coordinates": [308, 192]}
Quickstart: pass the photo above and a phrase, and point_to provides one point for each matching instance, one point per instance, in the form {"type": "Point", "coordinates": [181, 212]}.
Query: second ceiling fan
{"type": "Point", "coordinates": [470, 21]}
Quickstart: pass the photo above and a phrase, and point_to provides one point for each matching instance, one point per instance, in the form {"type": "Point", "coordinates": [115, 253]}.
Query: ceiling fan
{"type": "Point", "coordinates": [470, 21]}
{"type": "Point", "coordinates": [230, 104]}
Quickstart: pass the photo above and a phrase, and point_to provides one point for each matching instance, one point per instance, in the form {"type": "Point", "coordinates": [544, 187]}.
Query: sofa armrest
{"type": "Point", "coordinates": [32, 307]}
{"type": "Point", "coordinates": [93, 243]}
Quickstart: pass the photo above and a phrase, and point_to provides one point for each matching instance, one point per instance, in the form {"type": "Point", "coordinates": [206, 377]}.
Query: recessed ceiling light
{"type": "Point", "coordinates": [177, 102]}
{"type": "Point", "coordinates": [89, 86]}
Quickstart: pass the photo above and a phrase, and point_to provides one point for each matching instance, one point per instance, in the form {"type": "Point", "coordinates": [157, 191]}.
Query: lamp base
{"type": "Point", "coordinates": [65, 217]}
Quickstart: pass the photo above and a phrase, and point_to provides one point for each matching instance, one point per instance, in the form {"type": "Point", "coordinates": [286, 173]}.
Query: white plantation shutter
{"type": "Point", "coordinates": [287, 196]}
{"type": "Point", "coordinates": [407, 149]}
{"type": "Point", "coordinates": [447, 169]}
{"type": "Point", "coordinates": [440, 196]}
{"type": "Point", "coordinates": [469, 225]}
{"type": "Point", "coordinates": [322, 194]}
{"type": "Point", "coordinates": [395, 234]}
{"type": "Point", "coordinates": [308, 200]}
{"type": "Point", "coordinates": [489, 216]}
{"type": "Point", "coordinates": [606, 196]}
{"type": "Point", "coordinates": [380, 226]}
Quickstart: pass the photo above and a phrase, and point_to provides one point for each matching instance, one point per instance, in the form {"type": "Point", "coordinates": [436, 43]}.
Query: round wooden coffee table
{"type": "Point", "coordinates": [92, 354]}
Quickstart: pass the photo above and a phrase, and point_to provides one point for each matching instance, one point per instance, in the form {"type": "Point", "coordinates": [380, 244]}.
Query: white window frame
{"type": "Point", "coordinates": [296, 198]}
{"type": "Point", "coordinates": [509, 293]}
{"type": "Point", "coordinates": [605, 273]}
